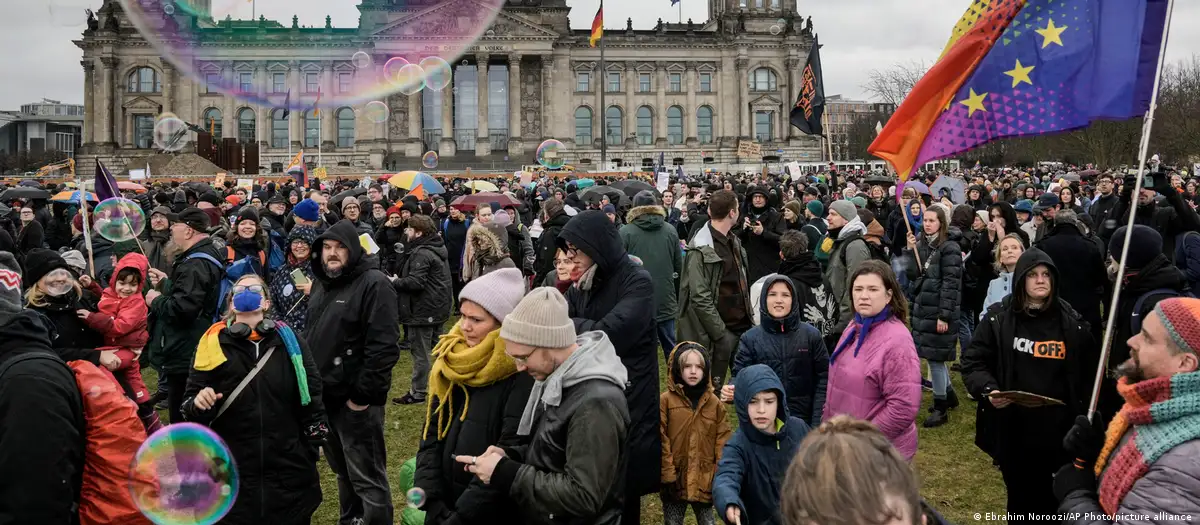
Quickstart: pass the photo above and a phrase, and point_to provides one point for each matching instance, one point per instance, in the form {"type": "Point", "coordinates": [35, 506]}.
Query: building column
{"type": "Point", "coordinates": [691, 82]}
{"type": "Point", "coordinates": [229, 128]}
{"type": "Point", "coordinates": [743, 98]}
{"type": "Point", "coordinates": [381, 128]}
{"type": "Point", "coordinates": [598, 123]}
{"type": "Point", "coordinates": [168, 87]}
{"type": "Point", "coordinates": [328, 118]}
{"type": "Point", "coordinates": [483, 144]}
{"type": "Point", "coordinates": [515, 147]}
{"type": "Point", "coordinates": [631, 85]}
{"type": "Point", "coordinates": [795, 75]}
{"type": "Point", "coordinates": [108, 99]}
{"type": "Point", "coordinates": [547, 109]}
{"type": "Point", "coordinates": [265, 112]}
{"type": "Point", "coordinates": [89, 101]}
{"type": "Point", "coordinates": [416, 117]}
{"type": "Point", "coordinates": [660, 101]}
{"type": "Point", "coordinates": [447, 145]}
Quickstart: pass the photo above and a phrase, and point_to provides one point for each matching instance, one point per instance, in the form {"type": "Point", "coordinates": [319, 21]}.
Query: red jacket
{"type": "Point", "coordinates": [123, 321]}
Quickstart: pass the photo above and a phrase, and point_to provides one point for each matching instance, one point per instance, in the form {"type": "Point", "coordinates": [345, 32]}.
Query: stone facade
{"type": "Point", "coordinates": [688, 91]}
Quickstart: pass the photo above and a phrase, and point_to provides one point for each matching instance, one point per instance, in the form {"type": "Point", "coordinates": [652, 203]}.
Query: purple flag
{"type": "Point", "coordinates": [106, 184]}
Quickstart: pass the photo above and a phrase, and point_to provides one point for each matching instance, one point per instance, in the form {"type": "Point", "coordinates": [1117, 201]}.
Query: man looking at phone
{"type": "Point", "coordinates": [760, 233]}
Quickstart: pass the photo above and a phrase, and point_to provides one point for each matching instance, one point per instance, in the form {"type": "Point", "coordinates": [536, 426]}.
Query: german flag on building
{"type": "Point", "coordinates": [597, 26]}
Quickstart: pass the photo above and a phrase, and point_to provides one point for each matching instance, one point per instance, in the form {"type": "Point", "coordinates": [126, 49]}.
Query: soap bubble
{"type": "Point", "coordinates": [391, 68]}
{"type": "Point", "coordinates": [437, 73]}
{"type": "Point", "coordinates": [183, 474]}
{"type": "Point", "coordinates": [361, 60]}
{"type": "Point", "coordinates": [775, 29]}
{"type": "Point", "coordinates": [376, 111]}
{"type": "Point", "coordinates": [429, 160]}
{"type": "Point", "coordinates": [550, 154]}
{"type": "Point", "coordinates": [169, 8]}
{"type": "Point", "coordinates": [490, 33]}
{"type": "Point", "coordinates": [410, 78]}
{"type": "Point", "coordinates": [170, 133]}
{"type": "Point", "coordinates": [118, 219]}
{"type": "Point", "coordinates": [416, 497]}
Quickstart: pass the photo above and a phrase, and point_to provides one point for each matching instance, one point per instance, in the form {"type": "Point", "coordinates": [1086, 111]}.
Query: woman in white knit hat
{"type": "Point", "coordinates": [476, 398]}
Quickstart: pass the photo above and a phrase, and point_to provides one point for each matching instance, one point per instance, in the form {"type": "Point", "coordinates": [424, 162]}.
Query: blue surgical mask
{"type": "Point", "coordinates": [247, 300]}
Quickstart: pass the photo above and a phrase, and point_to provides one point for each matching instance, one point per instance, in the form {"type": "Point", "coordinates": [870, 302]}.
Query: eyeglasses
{"type": "Point", "coordinates": [256, 288]}
{"type": "Point", "coordinates": [522, 359]}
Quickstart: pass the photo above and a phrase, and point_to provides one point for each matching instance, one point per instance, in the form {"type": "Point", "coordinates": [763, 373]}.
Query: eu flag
{"type": "Point", "coordinates": [1027, 67]}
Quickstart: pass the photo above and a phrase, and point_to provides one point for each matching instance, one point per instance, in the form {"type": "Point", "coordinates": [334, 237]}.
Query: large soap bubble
{"type": "Point", "coordinates": [550, 154]}
{"type": "Point", "coordinates": [118, 219]}
{"type": "Point", "coordinates": [199, 40]}
{"type": "Point", "coordinates": [184, 474]}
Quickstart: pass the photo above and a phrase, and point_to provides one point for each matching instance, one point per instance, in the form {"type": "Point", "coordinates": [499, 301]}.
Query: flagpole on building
{"type": "Point", "coordinates": [603, 112]}
{"type": "Point", "coordinates": [1143, 151]}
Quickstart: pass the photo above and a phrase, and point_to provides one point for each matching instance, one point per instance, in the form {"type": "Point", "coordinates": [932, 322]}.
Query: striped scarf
{"type": "Point", "coordinates": [1161, 413]}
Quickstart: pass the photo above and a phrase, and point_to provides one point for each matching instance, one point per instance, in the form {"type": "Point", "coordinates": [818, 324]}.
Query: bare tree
{"type": "Point", "coordinates": [892, 84]}
{"type": "Point", "coordinates": [1177, 119]}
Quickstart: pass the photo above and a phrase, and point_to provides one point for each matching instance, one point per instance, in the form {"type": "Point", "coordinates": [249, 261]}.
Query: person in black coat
{"type": "Point", "coordinates": [554, 218]}
{"type": "Point", "coordinates": [936, 302]}
{"type": "Point", "coordinates": [423, 289]}
{"type": "Point", "coordinates": [616, 296]}
{"type": "Point", "coordinates": [272, 428]}
{"type": "Point", "coordinates": [1082, 287]}
{"type": "Point", "coordinates": [1170, 218]}
{"type": "Point", "coordinates": [454, 234]}
{"type": "Point", "coordinates": [760, 231]}
{"type": "Point", "coordinates": [55, 293]}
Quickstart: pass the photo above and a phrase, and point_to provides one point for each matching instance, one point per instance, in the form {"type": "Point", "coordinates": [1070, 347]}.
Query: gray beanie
{"type": "Point", "coordinates": [498, 292]}
{"type": "Point", "coordinates": [75, 260]}
{"type": "Point", "coordinates": [844, 208]}
{"type": "Point", "coordinates": [10, 283]}
{"type": "Point", "coordinates": [540, 320]}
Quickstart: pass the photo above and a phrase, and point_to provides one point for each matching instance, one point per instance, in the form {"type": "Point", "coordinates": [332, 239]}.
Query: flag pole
{"type": "Point", "coordinates": [87, 230]}
{"type": "Point", "coordinates": [603, 109]}
{"type": "Point", "coordinates": [1143, 151]}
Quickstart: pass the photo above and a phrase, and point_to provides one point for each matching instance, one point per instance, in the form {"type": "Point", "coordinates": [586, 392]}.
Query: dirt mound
{"type": "Point", "coordinates": [166, 165]}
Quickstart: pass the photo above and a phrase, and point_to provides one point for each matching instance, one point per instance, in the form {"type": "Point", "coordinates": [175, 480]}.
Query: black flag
{"type": "Point", "coordinates": [810, 104]}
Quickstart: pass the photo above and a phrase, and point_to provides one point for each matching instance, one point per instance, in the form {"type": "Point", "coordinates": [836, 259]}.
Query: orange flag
{"type": "Point", "coordinates": [418, 191]}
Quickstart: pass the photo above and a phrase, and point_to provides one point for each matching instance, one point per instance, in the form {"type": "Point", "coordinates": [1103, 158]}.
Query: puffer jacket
{"type": "Point", "coordinates": [423, 287]}
{"type": "Point", "coordinates": [650, 239]}
{"type": "Point", "coordinates": [699, 286]}
{"type": "Point", "coordinates": [693, 436]}
{"type": "Point", "coordinates": [619, 302]}
{"type": "Point", "coordinates": [793, 349]}
{"type": "Point", "coordinates": [123, 320]}
{"type": "Point", "coordinates": [937, 296]}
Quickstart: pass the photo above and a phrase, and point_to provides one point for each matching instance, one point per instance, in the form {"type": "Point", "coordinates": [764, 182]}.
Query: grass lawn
{"type": "Point", "coordinates": [956, 478]}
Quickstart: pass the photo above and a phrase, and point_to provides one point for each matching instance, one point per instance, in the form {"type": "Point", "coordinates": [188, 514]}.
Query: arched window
{"type": "Point", "coordinates": [763, 79]}
{"type": "Point", "coordinates": [144, 80]}
{"type": "Point", "coordinates": [279, 129]}
{"type": "Point", "coordinates": [645, 126]}
{"type": "Point", "coordinates": [704, 124]}
{"type": "Point", "coordinates": [612, 120]}
{"type": "Point", "coordinates": [583, 125]}
{"type": "Point", "coordinates": [246, 129]}
{"type": "Point", "coordinates": [345, 127]}
{"type": "Point", "coordinates": [212, 122]}
{"type": "Point", "coordinates": [675, 125]}
{"type": "Point", "coordinates": [312, 129]}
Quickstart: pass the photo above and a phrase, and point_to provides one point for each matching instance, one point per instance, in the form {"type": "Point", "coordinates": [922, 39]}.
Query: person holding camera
{"type": "Point", "coordinates": [1170, 221]}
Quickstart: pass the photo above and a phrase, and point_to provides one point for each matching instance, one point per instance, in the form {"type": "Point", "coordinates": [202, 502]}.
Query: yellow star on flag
{"type": "Point", "coordinates": [974, 103]}
{"type": "Point", "coordinates": [1052, 34]}
{"type": "Point", "coordinates": [1020, 74]}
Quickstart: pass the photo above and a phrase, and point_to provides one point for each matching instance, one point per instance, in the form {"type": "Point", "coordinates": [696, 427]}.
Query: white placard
{"type": "Point", "coordinates": [526, 178]}
{"type": "Point", "coordinates": [794, 170]}
{"type": "Point", "coordinates": [246, 183]}
{"type": "Point", "coordinates": [137, 174]}
{"type": "Point", "coordinates": [663, 181]}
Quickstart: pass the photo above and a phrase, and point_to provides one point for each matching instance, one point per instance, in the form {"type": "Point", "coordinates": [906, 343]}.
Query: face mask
{"type": "Point", "coordinates": [247, 301]}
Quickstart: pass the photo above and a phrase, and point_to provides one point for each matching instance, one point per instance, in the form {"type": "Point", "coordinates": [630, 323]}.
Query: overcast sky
{"type": "Point", "coordinates": [858, 35]}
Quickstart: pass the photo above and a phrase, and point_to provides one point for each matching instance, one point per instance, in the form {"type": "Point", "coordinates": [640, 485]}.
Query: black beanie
{"type": "Point", "coordinates": [39, 262]}
{"type": "Point", "coordinates": [248, 213]}
{"type": "Point", "coordinates": [644, 198]}
{"type": "Point", "coordinates": [1144, 245]}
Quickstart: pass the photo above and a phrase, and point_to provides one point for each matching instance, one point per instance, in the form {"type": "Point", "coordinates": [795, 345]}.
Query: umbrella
{"type": "Point", "coordinates": [468, 203]}
{"type": "Point", "coordinates": [633, 187]}
{"type": "Point", "coordinates": [130, 186]}
{"type": "Point", "coordinates": [410, 179]}
{"type": "Point", "coordinates": [1088, 174]}
{"type": "Point", "coordinates": [24, 192]}
{"type": "Point", "coordinates": [584, 183]}
{"type": "Point", "coordinates": [879, 180]}
{"type": "Point", "coordinates": [30, 184]}
{"type": "Point", "coordinates": [73, 196]}
{"type": "Point", "coordinates": [954, 188]}
{"type": "Point", "coordinates": [336, 200]}
{"type": "Point", "coordinates": [595, 193]}
{"type": "Point", "coordinates": [918, 186]}
{"type": "Point", "coordinates": [481, 185]}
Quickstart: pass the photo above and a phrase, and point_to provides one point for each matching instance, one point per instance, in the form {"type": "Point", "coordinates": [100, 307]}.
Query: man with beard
{"type": "Point", "coordinates": [423, 287]}
{"type": "Point", "coordinates": [1169, 221]}
{"type": "Point", "coordinates": [276, 213]}
{"type": "Point", "coordinates": [760, 233]}
{"type": "Point", "coordinates": [353, 333]}
{"type": "Point", "coordinates": [1032, 341]}
{"type": "Point", "coordinates": [156, 241]}
{"type": "Point", "coordinates": [1146, 465]}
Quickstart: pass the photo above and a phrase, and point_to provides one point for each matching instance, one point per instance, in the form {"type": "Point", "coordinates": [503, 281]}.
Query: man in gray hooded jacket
{"type": "Point", "coordinates": [574, 466]}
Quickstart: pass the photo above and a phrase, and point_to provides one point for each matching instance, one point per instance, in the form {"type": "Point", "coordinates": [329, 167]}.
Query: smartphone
{"type": "Point", "coordinates": [298, 277]}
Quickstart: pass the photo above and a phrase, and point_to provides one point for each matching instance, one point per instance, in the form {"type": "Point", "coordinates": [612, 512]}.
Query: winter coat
{"type": "Point", "coordinates": [186, 308]}
{"type": "Point", "coordinates": [1169, 221]}
{"type": "Point", "coordinates": [793, 349]}
{"type": "Point", "coordinates": [42, 434]}
{"type": "Point", "coordinates": [762, 251]}
{"type": "Point", "coordinates": [160, 251]}
{"type": "Point", "coordinates": [254, 249]}
{"type": "Point", "coordinates": [699, 286]}
{"type": "Point", "coordinates": [122, 321]}
{"type": "Point", "coordinates": [998, 289]}
{"type": "Point", "coordinates": [387, 237]}
{"type": "Point", "coordinates": [846, 252]}
{"type": "Point", "coordinates": [693, 436]}
{"type": "Point", "coordinates": [881, 384]}
{"type": "Point", "coordinates": [484, 253]}
{"type": "Point", "coordinates": [650, 239]}
{"type": "Point", "coordinates": [285, 295]}
{"type": "Point", "coordinates": [352, 324]}
{"type": "Point", "coordinates": [520, 247]}
{"type": "Point", "coordinates": [72, 338]}
{"type": "Point", "coordinates": [454, 495]}
{"type": "Point", "coordinates": [619, 303]}
{"type": "Point", "coordinates": [937, 297]}
{"type": "Point", "coordinates": [818, 306]}
{"type": "Point", "coordinates": [31, 236]}
{"type": "Point", "coordinates": [266, 428]}
{"type": "Point", "coordinates": [1082, 287]}
{"type": "Point", "coordinates": [989, 363]}
{"type": "Point", "coordinates": [423, 286]}
{"type": "Point", "coordinates": [815, 230]}
{"type": "Point", "coordinates": [750, 473]}
{"type": "Point", "coordinates": [547, 244]}
{"type": "Point", "coordinates": [454, 234]}
{"type": "Point", "coordinates": [101, 254]}
{"type": "Point", "coordinates": [1169, 488]}
{"type": "Point", "coordinates": [1102, 210]}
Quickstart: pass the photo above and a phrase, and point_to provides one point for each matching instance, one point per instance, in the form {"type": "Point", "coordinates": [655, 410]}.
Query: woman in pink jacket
{"type": "Point", "coordinates": [874, 372]}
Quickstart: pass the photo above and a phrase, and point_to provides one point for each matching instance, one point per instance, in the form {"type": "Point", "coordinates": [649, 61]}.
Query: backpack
{"type": "Point", "coordinates": [226, 284]}
{"type": "Point", "coordinates": [446, 226]}
{"type": "Point", "coordinates": [1143, 305]}
{"type": "Point", "coordinates": [231, 256]}
{"type": "Point", "coordinates": [1182, 241]}
{"type": "Point", "coordinates": [112, 435]}
{"type": "Point", "coordinates": [876, 251]}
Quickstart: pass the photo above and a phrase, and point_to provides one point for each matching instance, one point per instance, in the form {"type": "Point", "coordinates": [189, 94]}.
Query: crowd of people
{"type": "Point", "coordinates": [792, 314]}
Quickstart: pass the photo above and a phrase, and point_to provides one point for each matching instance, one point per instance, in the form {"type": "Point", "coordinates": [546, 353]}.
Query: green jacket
{"type": "Point", "coordinates": [648, 237]}
{"type": "Point", "coordinates": [699, 320]}
{"type": "Point", "coordinates": [186, 308]}
{"type": "Point", "coordinates": [844, 257]}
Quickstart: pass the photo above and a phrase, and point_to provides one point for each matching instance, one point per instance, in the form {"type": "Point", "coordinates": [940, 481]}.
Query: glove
{"type": "Point", "coordinates": [316, 433]}
{"type": "Point", "coordinates": [1070, 478]}
{"type": "Point", "coordinates": [1085, 439]}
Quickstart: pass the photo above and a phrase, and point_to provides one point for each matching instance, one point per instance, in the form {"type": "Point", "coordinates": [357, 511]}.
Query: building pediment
{"type": "Point", "coordinates": [141, 103]}
{"type": "Point", "coordinates": [766, 100]}
{"type": "Point", "coordinates": [455, 17]}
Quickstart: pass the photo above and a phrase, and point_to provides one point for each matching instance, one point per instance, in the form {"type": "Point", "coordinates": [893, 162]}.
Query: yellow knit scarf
{"type": "Point", "coordinates": [457, 365]}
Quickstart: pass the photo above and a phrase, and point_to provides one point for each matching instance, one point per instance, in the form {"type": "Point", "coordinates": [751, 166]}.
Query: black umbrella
{"type": "Point", "coordinates": [880, 180]}
{"type": "Point", "coordinates": [24, 192]}
{"type": "Point", "coordinates": [30, 183]}
{"type": "Point", "coordinates": [632, 187]}
{"type": "Point", "coordinates": [353, 192]}
{"type": "Point", "coordinates": [595, 193]}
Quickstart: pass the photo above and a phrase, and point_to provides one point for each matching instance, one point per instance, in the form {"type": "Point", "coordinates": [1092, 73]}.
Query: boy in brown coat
{"type": "Point", "coordinates": [694, 429]}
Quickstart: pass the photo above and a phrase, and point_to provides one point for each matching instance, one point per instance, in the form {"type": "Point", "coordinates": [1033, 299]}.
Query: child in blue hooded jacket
{"type": "Point", "coordinates": [754, 461]}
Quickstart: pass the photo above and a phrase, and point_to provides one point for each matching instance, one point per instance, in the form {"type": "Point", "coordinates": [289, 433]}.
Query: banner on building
{"type": "Point", "coordinates": [746, 148]}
